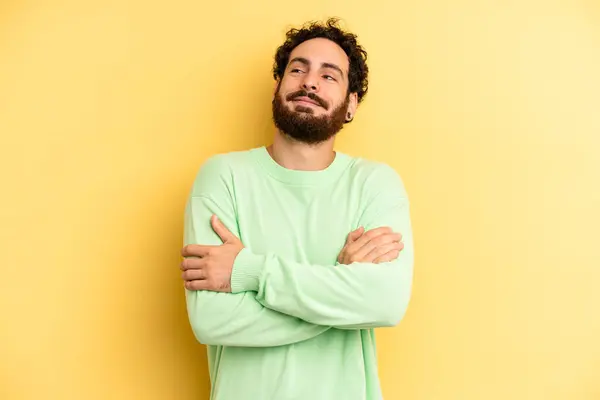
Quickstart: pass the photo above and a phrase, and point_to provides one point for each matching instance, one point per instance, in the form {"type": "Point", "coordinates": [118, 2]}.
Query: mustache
{"type": "Point", "coordinates": [310, 95]}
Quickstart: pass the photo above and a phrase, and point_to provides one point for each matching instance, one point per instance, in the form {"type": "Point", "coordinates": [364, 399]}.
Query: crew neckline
{"type": "Point", "coordinates": [300, 177]}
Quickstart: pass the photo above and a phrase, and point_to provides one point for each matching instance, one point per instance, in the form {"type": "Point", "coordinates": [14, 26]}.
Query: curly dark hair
{"type": "Point", "coordinates": [357, 56]}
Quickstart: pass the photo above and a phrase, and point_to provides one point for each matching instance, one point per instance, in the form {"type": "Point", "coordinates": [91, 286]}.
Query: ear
{"type": "Point", "coordinates": [352, 106]}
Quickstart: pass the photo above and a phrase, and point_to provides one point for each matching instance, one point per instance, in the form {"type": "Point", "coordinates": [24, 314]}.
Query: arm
{"type": "Point", "coordinates": [359, 295]}
{"type": "Point", "coordinates": [231, 319]}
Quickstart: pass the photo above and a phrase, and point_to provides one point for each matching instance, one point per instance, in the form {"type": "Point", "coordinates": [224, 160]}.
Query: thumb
{"type": "Point", "coordinates": [221, 230]}
{"type": "Point", "coordinates": [355, 234]}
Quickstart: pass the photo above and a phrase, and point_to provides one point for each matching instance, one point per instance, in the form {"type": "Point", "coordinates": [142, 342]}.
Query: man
{"type": "Point", "coordinates": [294, 252]}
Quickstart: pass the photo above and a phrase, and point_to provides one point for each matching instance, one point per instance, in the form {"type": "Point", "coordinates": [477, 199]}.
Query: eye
{"type": "Point", "coordinates": [296, 70]}
{"type": "Point", "coordinates": [329, 77]}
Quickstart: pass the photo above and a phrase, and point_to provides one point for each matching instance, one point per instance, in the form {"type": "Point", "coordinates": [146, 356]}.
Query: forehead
{"type": "Point", "coordinates": [319, 51]}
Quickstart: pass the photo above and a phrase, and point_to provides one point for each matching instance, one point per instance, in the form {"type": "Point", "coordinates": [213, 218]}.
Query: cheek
{"type": "Point", "coordinates": [332, 95]}
{"type": "Point", "coordinates": [289, 84]}
{"type": "Point", "coordinates": [334, 103]}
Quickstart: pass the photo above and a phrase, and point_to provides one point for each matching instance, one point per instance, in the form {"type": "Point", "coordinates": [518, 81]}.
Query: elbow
{"type": "Point", "coordinates": [204, 333]}
{"type": "Point", "coordinates": [393, 305]}
{"type": "Point", "coordinates": [201, 334]}
{"type": "Point", "coordinates": [392, 315]}
{"type": "Point", "coordinates": [204, 326]}
{"type": "Point", "coordinates": [396, 293]}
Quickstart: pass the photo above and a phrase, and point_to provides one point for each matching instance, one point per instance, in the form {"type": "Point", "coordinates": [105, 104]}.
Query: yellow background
{"type": "Point", "coordinates": [490, 110]}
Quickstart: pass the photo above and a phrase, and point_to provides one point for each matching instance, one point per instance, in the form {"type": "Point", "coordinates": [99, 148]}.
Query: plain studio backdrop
{"type": "Point", "coordinates": [490, 111]}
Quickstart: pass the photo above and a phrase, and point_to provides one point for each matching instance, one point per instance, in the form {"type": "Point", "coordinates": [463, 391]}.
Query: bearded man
{"type": "Point", "coordinates": [294, 252]}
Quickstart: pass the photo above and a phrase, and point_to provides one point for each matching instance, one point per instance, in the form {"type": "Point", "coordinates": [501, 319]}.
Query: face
{"type": "Point", "coordinates": [311, 102]}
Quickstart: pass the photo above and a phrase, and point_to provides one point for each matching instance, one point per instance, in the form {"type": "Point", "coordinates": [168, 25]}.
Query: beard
{"type": "Point", "coordinates": [300, 124]}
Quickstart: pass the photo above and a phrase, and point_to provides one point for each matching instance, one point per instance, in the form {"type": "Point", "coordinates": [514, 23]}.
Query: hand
{"type": "Point", "coordinates": [375, 246]}
{"type": "Point", "coordinates": [212, 271]}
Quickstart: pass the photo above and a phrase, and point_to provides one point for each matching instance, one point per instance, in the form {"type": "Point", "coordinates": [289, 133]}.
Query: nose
{"type": "Point", "coordinates": [310, 83]}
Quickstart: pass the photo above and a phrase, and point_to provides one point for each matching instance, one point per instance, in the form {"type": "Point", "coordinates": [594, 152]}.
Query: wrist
{"type": "Point", "coordinates": [247, 271]}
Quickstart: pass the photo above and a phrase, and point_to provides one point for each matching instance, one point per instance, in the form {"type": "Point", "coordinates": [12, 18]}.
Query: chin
{"type": "Point", "coordinates": [304, 113]}
{"type": "Point", "coordinates": [307, 111]}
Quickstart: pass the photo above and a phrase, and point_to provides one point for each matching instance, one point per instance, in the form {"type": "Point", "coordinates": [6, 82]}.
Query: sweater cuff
{"type": "Point", "coordinates": [247, 269]}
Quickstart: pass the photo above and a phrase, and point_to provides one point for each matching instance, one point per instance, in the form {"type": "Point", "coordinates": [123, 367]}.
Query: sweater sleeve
{"type": "Point", "coordinates": [359, 295]}
{"type": "Point", "coordinates": [231, 319]}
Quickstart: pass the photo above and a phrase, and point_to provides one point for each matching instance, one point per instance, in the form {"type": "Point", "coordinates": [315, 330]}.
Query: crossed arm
{"type": "Point", "coordinates": [238, 298]}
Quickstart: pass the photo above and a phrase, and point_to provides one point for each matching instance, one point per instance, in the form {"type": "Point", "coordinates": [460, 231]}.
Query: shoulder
{"type": "Point", "coordinates": [376, 177]}
{"type": "Point", "coordinates": [229, 161]}
{"type": "Point", "coordinates": [217, 171]}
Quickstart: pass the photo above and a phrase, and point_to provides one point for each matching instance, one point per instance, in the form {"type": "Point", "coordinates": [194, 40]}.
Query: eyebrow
{"type": "Point", "coordinates": [304, 61]}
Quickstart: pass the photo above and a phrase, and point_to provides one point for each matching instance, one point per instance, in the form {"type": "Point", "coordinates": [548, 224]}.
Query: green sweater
{"type": "Point", "coordinates": [297, 325]}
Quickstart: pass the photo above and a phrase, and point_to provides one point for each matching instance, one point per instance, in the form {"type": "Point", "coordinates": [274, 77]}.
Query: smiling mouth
{"type": "Point", "coordinates": [306, 100]}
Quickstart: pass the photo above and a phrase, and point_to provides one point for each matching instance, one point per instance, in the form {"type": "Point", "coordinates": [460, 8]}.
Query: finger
{"type": "Point", "coordinates": [196, 250]}
{"type": "Point", "coordinates": [381, 240]}
{"type": "Point", "coordinates": [354, 235]}
{"type": "Point", "coordinates": [193, 274]}
{"type": "Point", "coordinates": [390, 256]}
{"type": "Point", "coordinates": [192, 263]}
{"type": "Point", "coordinates": [383, 249]}
{"type": "Point", "coordinates": [221, 230]}
{"type": "Point", "coordinates": [197, 285]}
{"type": "Point", "coordinates": [367, 236]}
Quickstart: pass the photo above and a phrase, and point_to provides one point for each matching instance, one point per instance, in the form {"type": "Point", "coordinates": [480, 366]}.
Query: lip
{"type": "Point", "coordinates": [306, 100]}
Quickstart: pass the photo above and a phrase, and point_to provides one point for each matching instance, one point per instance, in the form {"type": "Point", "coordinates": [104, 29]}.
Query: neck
{"type": "Point", "coordinates": [295, 155]}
